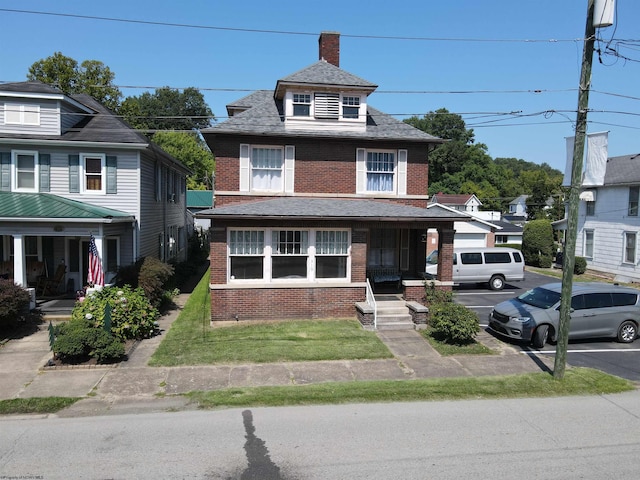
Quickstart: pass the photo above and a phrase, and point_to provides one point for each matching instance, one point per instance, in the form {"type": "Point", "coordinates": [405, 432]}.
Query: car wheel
{"type": "Point", "coordinates": [627, 332]}
{"type": "Point", "coordinates": [540, 336]}
{"type": "Point", "coordinates": [496, 282]}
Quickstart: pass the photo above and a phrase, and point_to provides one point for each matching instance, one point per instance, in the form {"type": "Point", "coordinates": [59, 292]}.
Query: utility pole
{"type": "Point", "coordinates": [569, 257]}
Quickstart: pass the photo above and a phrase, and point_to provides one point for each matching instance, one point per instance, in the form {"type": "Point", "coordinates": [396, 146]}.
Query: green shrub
{"type": "Point", "coordinates": [580, 266]}
{"type": "Point", "coordinates": [13, 301]}
{"type": "Point", "coordinates": [537, 242]}
{"type": "Point", "coordinates": [545, 261]}
{"type": "Point", "coordinates": [132, 314]}
{"type": "Point", "coordinates": [79, 339]}
{"type": "Point", "coordinates": [453, 323]}
{"type": "Point", "coordinates": [152, 278]}
{"type": "Point", "coordinates": [434, 295]}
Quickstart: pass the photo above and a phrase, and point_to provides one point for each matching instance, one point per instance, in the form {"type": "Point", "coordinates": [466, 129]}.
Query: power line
{"type": "Point", "coordinates": [284, 32]}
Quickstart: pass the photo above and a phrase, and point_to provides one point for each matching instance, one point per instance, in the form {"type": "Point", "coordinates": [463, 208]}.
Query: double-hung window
{"type": "Point", "coordinates": [634, 193]}
{"type": "Point", "coordinates": [93, 167]}
{"type": "Point", "coordinates": [332, 253]}
{"type": "Point", "coordinates": [350, 107]}
{"type": "Point", "coordinates": [301, 104]}
{"type": "Point", "coordinates": [266, 169]}
{"type": "Point", "coordinates": [289, 253]}
{"type": "Point", "coordinates": [26, 171]}
{"type": "Point", "coordinates": [630, 247]}
{"type": "Point", "coordinates": [246, 254]}
{"type": "Point", "coordinates": [381, 167]}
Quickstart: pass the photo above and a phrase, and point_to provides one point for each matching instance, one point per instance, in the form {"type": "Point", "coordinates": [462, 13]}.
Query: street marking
{"type": "Point", "coordinates": [595, 350]}
{"type": "Point", "coordinates": [484, 293]}
{"type": "Point", "coordinates": [479, 306]}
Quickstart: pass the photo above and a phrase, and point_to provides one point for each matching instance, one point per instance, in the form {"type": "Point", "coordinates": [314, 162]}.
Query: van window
{"type": "Point", "coordinates": [471, 258]}
{"type": "Point", "coordinates": [577, 302]}
{"type": "Point", "coordinates": [623, 299]}
{"type": "Point", "coordinates": [497, 257]}
{"type": "Point", "coordinates": [598, 300]}
{"type": "Point", "coordinates": [517, 257]}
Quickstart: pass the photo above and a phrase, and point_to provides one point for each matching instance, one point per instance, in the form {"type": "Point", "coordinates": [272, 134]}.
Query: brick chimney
{"type": "Point", "coordinates": [329, 43]}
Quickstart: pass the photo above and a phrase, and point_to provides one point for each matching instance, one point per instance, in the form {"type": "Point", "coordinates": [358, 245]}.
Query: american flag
{"type": "Point", "coordinates": [95, 275]}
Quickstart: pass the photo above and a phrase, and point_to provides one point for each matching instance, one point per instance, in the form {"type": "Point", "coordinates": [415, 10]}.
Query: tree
{"type": "Point", "coordinates": [91, 77]}
{"type": "Point", "coordinates": [537, 243]}
{"type": "Point", "coordinates": [191, 150]}
{"type": "Point", "coordinates": [168, 109]}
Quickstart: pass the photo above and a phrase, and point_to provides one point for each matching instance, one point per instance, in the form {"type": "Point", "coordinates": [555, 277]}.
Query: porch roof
{"type": "Point", "coordinates": [293, 208]}
{"type": "Point", "coordinates": [45, 206]}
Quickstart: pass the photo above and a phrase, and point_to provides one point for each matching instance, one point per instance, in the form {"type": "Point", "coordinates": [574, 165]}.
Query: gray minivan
{"type": "Point", "coordinates": [492, 265]}
{"type": "Point", "coordinates": [597, 310]}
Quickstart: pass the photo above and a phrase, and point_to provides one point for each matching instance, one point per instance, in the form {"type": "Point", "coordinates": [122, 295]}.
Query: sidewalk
{"type": "Point", "coordinates": [132, 386]}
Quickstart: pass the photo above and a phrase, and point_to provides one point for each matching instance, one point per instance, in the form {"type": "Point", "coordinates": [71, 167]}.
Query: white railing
{"type": "Point", "coordinates": [371, 300]}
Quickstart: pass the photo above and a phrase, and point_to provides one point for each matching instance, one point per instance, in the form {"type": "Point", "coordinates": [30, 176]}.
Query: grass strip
{"type": "Point", "coordinates": [192, 341]}
{"type": "Point", "coordinates": [577, 381]}
{"type": "Point", "coordinates": [35, 405]}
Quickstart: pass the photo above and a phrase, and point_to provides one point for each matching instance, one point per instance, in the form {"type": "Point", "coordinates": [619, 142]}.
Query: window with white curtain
{"type": "Point", "coordinates": [380, 171]}
{"type": "Point", "coordinates": [266, 169]}
{"type": "Point", "coordinates": [246, 254]}
{"type": "Point", "coordinates": [332, 251]}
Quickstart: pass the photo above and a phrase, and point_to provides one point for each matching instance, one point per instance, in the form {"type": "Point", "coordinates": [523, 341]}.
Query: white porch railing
{"type": "Point", "coordinates": [371, 300]}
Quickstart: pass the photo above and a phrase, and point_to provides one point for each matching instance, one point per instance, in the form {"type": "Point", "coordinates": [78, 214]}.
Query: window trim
{"type": "Point", "coordinates": [83, 173]}
{"type": "Point", "coordinates": [628, 235]}
{"type": "Point", "coordinates": [585, 243]}
{"type": "Point", "coordinates": [14, 170]}
{"type": "Point", "coordinates": [634, 196]}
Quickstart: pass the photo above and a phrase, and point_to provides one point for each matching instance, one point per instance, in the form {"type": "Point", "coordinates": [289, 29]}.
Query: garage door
{"type": "Point", "coordinates": [462, 240]}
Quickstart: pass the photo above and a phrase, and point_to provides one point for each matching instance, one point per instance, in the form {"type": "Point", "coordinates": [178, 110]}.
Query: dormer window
{"type": "Point", "coordinates": [350, 107]}
{"type": "Point", "coordinates": [21, 114]}
{"type": "Point", "coordinates": [301, 104]}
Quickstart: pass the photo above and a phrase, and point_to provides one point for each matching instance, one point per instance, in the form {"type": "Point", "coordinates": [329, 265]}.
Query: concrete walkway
{"type": "Point", "coordinates": [132, 386]}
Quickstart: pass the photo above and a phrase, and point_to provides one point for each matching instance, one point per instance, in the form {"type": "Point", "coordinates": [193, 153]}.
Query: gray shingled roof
{"type": "Point", "coordinates": [265, 117]}
{"type": "Point", "coordinates": [325, 73]}
{"type": "Point", "coordinates": [34, 86]}
{"type": "Point", "coordinates": [296, 208]}
{"type": "Point", "coordinates": [623, 170]}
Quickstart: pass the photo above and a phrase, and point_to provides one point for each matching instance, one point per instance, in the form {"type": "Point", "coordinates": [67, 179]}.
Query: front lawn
{"type": "Point", "coordinates": [191, 341]}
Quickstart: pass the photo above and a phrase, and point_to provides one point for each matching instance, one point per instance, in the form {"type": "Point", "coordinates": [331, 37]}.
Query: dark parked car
{"type": "Point", "coordinates": [597, 310]}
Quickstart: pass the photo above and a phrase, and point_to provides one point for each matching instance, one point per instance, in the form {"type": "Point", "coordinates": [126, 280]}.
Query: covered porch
{"type": "Point", "coordinates": [44, 242]}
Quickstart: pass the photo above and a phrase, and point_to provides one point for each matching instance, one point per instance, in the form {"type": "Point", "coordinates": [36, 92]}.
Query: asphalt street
{"type": "Point", "coordinates": [590, 437]}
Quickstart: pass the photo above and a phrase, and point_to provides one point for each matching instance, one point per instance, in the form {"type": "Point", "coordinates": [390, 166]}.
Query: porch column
{"type": "Point", "coordinates": [19, 268]}
{"type": "Point", "coordinates": [445, 254]}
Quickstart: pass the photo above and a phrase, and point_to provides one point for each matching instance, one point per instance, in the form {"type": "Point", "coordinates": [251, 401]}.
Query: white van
{"type": "Point", "coordinates": [491, 265]}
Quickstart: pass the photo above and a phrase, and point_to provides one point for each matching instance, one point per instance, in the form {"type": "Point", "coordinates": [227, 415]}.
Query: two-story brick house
{"type": "Point", "coordinates": [70, 168]}
{"type": "Point", "coordinates": [316, 191]}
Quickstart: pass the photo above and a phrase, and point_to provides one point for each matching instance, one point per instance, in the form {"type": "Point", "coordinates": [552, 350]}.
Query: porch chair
{"type": "Point", "coordinates": [35, 271]}
{"type": "Point", "coordinates": [49, 286]}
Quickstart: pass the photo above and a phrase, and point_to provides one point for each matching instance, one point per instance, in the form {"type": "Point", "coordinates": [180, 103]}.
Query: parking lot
{"type": "Point", "coordinates": [605, 354]}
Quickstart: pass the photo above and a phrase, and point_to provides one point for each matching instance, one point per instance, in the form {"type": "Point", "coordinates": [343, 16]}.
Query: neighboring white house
{"type": "Point", "coordinates": [609, 222]}
{"type": "Point", "coordinates": [480, 232]}
{"type": "Point", "coordinates": [71, 169]}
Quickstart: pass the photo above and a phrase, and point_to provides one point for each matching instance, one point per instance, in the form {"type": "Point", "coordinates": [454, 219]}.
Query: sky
{"type": "Point", "coordinates": [511, 69]}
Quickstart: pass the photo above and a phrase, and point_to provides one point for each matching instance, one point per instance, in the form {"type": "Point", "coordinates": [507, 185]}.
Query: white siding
{"type": "Point", "coordinates": [49, 117]}
{"type": "Point", "coordinates": [609, 224]}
